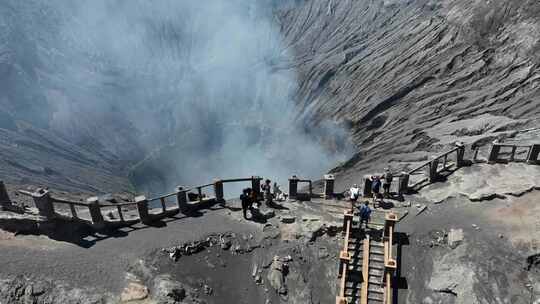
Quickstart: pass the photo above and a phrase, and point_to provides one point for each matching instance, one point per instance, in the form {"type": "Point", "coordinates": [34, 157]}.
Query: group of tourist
{"type": "Point", "coordinates": [250, 199]}
{"type": "Point", "coordinates": [354, 193]}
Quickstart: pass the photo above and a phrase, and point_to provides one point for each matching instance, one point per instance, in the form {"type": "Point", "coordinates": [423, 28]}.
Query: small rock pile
{"type": "Point", "coordinates": [278, 270]}
{"type": "Point", "coordinates": [227, 241]}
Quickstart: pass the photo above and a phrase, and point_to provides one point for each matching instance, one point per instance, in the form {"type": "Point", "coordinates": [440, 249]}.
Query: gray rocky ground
{"type": "Point", "coordinates": [456, 250]}
{"type": "Point", "coordinates": [131, 262]}
{"type": "Point", "coordinates": [487, 262]}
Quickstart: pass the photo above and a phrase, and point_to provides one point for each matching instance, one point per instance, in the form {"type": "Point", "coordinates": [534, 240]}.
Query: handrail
{"type": "Point", "coordinates": [234, 180]}
{"type": "Point", "coordinates": [429, 161]}
{"type": "Point", "coordinates": [365, 272]}
{"type": "Point", "coordinates": [344, 258]}
{"type": "Point", "coordinates": [199, 188]}
{"type": "Point", "coordinates": [68, 202]}
{"type": "Point", "coordinates": [28, 193]}
{"type": "Point", "coordinates": [345, 267]}
{"type": "Point", "coordinates": [55, 199]}
{"type": "Point", "coordinates": [512, 146]}
{"type": "Point", "coordinates": [117, 204]}
{"type": "Point", "coordinates": [163, 196]}
{"type": "Point", "coordinates": [203, 186]}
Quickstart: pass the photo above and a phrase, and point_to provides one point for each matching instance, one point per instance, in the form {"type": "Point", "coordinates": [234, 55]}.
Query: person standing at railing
{"type": "Point", "coordinates": [375, 188]}
{"type": "Point", "coordinates": [354, 193]}
{"type": "Point", "coordinates": [247, 201]}
{"type": "Point", "coordinates": [387, 176]}
{"type": "Point", "coordinates": [267, 192]}
{"type": "Point", "coordinates": [277, 193]}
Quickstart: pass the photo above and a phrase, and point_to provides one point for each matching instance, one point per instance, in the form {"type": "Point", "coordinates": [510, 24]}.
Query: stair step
{"type": "Point", "coordinates": [376, 267]}
{"type": "Point", "coordinates": [375, 272]}
{"type": "Point", "coordinates": [376, 258]}
{"type": "Point", "coordinates": [375, 289]}
{"type": "Point", "coordinates": [375, 297]}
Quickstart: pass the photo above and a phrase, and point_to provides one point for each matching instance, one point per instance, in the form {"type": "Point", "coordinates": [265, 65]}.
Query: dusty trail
{"type": "Point", "coordinates": [103, 263]}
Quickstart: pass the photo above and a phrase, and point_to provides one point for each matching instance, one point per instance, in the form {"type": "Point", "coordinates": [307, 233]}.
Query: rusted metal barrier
{"type": "Point", "coordinates": [504, 153]}
{"type": "Point", "coordinates": [329, 180]}
{"type": "Point", "coordinates": [293, 188]}
{"type": "Point", "coordinates": [434, 167]}
{"type": "Point", "coordinates": [45, 203]}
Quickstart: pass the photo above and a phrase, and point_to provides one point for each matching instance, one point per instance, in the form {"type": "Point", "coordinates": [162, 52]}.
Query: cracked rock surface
{"type": "Point", "coordinates": [484, 182]}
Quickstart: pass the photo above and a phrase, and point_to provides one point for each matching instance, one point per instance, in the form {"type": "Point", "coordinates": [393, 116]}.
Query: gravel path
{"type": "Point", "coordinates": [104, 263]}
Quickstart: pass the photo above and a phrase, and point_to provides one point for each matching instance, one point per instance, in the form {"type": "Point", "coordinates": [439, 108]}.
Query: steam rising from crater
{"type": "Point", "coordinates": [198, 89]}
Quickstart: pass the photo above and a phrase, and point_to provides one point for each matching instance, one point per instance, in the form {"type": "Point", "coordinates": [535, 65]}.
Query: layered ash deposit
{"type": "Point", "coordinates": [409, 77]}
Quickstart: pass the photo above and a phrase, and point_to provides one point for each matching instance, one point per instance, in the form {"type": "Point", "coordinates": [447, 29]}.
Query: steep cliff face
{"type": "Point", "coordinates": [394, 70]}
{"type": "Point", "coordinates": [404, 77]}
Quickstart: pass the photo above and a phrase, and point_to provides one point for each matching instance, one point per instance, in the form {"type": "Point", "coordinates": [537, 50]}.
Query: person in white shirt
{"type": "Point", "coordinates": [354, 193]}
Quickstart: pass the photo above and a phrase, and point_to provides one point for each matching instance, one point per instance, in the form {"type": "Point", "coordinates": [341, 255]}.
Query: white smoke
{"type": "Point", "coordinates": [193, 86]}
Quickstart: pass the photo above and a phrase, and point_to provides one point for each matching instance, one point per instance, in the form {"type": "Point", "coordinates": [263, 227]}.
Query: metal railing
{"type": "Point", "coordinates": [46, 203]}
{"type": "Point", "coordinates": [497, 153]}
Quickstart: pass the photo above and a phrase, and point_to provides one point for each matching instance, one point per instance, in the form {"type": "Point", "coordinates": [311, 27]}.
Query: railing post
{"type": "Point", "coordinates": [120, 214]}
{"type": "Point", "coordinates": [344, 257]}
{"type": "Point", "coordinates": [293, 187]}
{"type": "Point", "coordinates": [403, 186]}
{"type": "Point", "coordinates": [494, 153]}
{"type": "Point", "coordinates": [256, 186]}
{"type": "Point", "coordinates": [329, 186]}
{"type": "Point", "coordinates": [444, 161]}
{"type": "Point", "coordinates": [163, 204]}
{"type": "Point", "coordinates": [95, 212]}
{"type": "Point", "coordinates": [367, 186]}
{"type": "Point", "coordinates": [433, 166]}
{"type": "Point", "coordinates": [460, 154]}
{"type": "Point", "coordinates": [5, 201]}
{"type": "Point", "coordinates": [181, 197]}
{"type": "Point", "coordinates": [347, 216]}
{"type": "Point", "coordinates": [475, 157]}
{"type": "Point", "coordinates": [44, 203]}
{"type": "Point", "coordinates": [73, 211]}
{"type": "Point", "coordinates": [200, 194]}
{"type": "Point", "coordinates": [142, 207]}
{"type": "Point", "coordinates": [390, 264]}
{"type": "Point", "coordinates": [218, 191]}
{"type": "Point", "coordinates": [534, 152]}
{"type": "Point", "coordinates": [513, 153]}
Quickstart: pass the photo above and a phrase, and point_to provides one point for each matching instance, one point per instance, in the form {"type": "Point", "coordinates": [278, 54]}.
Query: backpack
{"type": "Point", "coordinates": [365, 211]}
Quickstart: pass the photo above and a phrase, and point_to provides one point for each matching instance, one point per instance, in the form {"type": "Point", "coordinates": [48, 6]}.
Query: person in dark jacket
{"type": "Point", "coordinates": [388, 177]}
{"type": "Point", "coordinates": [375, 188]}
{"type": "Point", "coordinates": [247, 201]}
{"type": "Point", "coordinates": [365, 213]}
